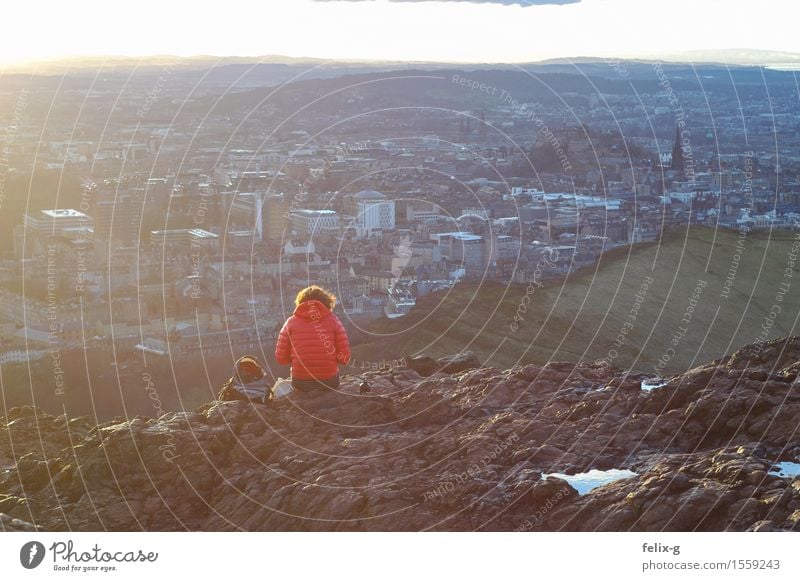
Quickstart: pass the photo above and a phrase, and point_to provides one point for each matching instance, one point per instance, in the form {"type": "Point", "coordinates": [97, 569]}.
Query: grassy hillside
{"type": "Point", "coordinates": [593, 313]}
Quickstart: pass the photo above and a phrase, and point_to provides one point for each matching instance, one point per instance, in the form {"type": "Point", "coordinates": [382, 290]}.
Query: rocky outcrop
{"type": "Point", "coordinates": [465, 448]}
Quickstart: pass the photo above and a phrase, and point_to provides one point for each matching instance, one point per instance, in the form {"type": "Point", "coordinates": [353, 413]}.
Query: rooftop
{"type": "Point", "coordinates": [369, 195]}
{"type": "Point", "coordinates": [315, 212]}
{"type": "Point", "coordinates": [460, 235]}
{"type": "Point", "coordinates": [64, 213]}
{"type": "Point", "coordinates": [200, 233]}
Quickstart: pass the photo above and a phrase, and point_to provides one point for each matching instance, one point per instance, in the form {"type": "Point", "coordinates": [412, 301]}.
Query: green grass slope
{"type": "Point", "coordinates": [660, 308]}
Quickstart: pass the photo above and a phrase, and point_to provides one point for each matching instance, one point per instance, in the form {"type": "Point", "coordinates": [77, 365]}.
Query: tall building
{"type": "Point", "coordinates": [272, 222]}
{"type": "Point", "coordinates": [677, 152]}
{"type": "Point", "coordinates": [371, 211]}
{"type": "Point", "coordinates": [117, 211]}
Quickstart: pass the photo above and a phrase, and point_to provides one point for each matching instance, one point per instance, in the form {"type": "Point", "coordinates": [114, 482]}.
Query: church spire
{"type": "Point", "coordinates": [677, 152]}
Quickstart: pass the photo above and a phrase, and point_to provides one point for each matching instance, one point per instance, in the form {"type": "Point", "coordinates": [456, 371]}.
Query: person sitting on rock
{"type": "Point", "coordinates": [313, 341]}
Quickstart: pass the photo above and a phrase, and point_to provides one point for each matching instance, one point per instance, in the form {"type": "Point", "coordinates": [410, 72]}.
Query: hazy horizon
{"type": "Point", "coordinates": [776, 60]}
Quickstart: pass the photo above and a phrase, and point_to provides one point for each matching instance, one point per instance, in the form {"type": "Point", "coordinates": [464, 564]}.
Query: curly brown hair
{"type": "Point", "coordinates": [316, 293]}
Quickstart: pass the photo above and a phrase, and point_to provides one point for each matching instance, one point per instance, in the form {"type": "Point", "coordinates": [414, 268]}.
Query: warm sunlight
{"type": "Point", "coordinates": [274, 267]}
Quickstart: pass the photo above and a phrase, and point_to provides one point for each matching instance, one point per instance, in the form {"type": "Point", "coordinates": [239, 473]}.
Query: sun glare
{"type": "Point", "coordinates": [385, 30]}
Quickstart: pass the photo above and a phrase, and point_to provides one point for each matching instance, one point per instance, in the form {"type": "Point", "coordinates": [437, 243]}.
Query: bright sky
{"type": "Point", "coordinates": [487, 31]}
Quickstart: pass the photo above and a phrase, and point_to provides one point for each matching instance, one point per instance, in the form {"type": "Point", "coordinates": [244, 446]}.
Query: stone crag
{"type": "Point", "coordinates": [464, 448]}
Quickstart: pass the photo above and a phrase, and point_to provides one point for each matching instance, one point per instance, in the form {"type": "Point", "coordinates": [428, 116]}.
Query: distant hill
{"type": "Point", "coordinates": [584, 318]}
{"type": "Point", "coordinates": [728, 57]}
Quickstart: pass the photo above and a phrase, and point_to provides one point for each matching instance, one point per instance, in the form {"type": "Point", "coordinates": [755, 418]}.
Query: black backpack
{"type": "Point", "coordinates": [249, 382]}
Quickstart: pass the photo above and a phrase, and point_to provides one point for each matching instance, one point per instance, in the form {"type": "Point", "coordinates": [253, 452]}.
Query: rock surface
{"type": "Point", "coordinates": [464, 448]}
{"type": "Point", "coordinates": [10, 525]}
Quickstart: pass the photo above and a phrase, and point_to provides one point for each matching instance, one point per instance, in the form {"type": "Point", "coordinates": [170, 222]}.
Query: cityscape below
{"type": "Point", "coordinates": [150, 217]}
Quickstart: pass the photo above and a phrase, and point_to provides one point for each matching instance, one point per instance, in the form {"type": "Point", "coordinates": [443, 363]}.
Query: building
{"type": "Point", "coordinates": [203, 240]}
{"type": "Point", "coordinates": [273, 217]}
{"type": "Point", "coordinates": [469, 250]}
{"type": "Point", "coordinates": [505, 247]}
{"type": "Point", "coordinates": [682, 197]}
{"type": "Point", "coordinates": [244, 207]}
{"type": "Point", "coordinates": [424, 252]}
{"type": "Point", "coordinates": [310, 223]}
{"type": "Point", "coordinates": [40, 228]}
{"type": "Point", "coordinates": [240, 240]}
{"type": "Point", "coordinates": [676, 162]}
{"type": "Point", "coordinates": [371, 211]}
{"type": "Point", "coordinates": [21, 356]}
{"type": "Point", "coordinates": [299, 248]}
{"type": "Point", "coordinates": [168, 238]}
{"type": "Point", "coordinates": [117, 211]}
{"type": "Point", "coordinates": [415, 211]}
{"type": "Point", "coordinates": [182, 239]}
{"type": "Point", "coordinates": [534, 193]}
{"type": "Point", "coordinates": [57, 222]}
{"type": "Point", "coordinates": [400, 299]}
{"type": "Point", "coordinates": [378, 280]}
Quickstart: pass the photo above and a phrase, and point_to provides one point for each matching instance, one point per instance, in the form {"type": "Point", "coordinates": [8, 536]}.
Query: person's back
{"type": "Point", "coordinates": [313, 341]}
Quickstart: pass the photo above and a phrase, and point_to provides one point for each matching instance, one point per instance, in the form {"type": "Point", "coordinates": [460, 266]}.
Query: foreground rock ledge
{"type": "Point", "coordinates": [461, 449]}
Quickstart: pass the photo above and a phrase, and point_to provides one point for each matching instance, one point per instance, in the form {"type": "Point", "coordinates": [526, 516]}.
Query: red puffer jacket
{"type": "Point", "coordinates": [313, 341]}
